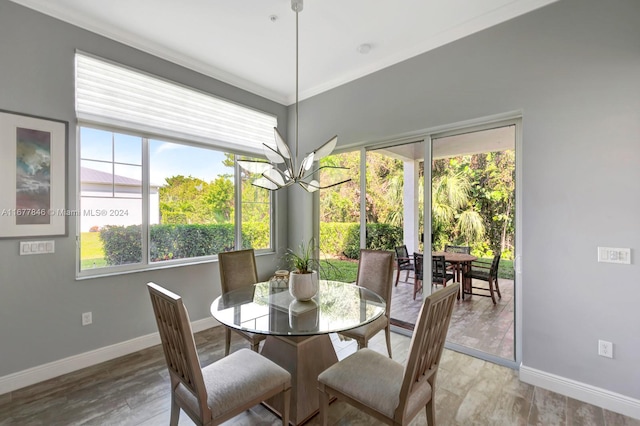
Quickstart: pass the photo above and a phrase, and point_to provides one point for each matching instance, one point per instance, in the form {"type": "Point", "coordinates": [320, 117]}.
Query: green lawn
{"type": "Point", "coordinates": [344, 270]}
{"type": "Point", "coordinates": [91, 251]}
{"type": "Point", "coordinates": [92, 256]}
{"type": "Point", "coordinates": [339, 270]}
{"type": "Point", "coordinates": [505, 269]}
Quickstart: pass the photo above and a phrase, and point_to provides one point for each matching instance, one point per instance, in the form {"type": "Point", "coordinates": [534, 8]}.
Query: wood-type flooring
{"type": "Point", "coordinates": [134, 390]}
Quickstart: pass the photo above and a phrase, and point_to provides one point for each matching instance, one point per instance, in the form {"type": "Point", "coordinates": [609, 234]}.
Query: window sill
{"type": "Point", "coordinates": [134, 269]}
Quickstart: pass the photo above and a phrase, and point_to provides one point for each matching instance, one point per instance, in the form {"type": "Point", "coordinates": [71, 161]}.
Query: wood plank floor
{"type": "Point", "coordinates": [134, 390]}
{"type": "Point", "coordinates": [476, 322]}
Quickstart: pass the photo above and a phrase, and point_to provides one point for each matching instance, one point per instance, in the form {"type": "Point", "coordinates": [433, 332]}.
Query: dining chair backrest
{"type": "Point", "coordinates": [495, 263]}
{"type": "Point", "coordinates": [438, 266]}
{"type": "Point", "coordinates": [178, 344]}
{"type": "Point", "coordinates": [237, 269]}
{"type": "Point", "coordinates": [418, 263]}
{"type": "Point", "coordinates": [427, 344]}
{"type": "Point", "coordinates": [402, 256]}
{"type": "Point", "coordinates": [457, 249]}
{"type": "Point", "coordinates": [375, 272]}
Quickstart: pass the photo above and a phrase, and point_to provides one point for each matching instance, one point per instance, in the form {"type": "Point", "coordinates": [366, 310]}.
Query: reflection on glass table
{"type": "Point", "coordinates": [263, 308]}
{"type": "Point", "coordinates": [298, 332]}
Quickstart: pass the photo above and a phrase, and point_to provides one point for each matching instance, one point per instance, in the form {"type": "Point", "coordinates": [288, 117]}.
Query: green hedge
{"type": "Point", "coordinates": [256, 235]}
{"type": "Point", "coordinates": [333, 236]}
{"type": "Point", "coordinates": [123, 245]}
{"type": "Point", "coordinates": [184, 241]}
{"type": "Point", "coordinates": [380, 236]}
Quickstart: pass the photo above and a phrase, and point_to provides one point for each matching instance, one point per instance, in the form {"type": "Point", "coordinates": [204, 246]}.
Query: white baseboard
{"type": "Point", "coordinates": [57, 368]}
{"type": "Point", "coordinates": [590, 394]}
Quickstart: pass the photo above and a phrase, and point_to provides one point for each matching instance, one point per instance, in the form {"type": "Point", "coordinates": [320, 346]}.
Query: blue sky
{"type": "Point", "coordinates": [167, 159]}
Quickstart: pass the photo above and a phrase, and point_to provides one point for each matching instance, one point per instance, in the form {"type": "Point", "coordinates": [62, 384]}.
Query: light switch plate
{"type": "Point", "coordinates": [614, 255]}
{"type": "Point", "coordinates": [37, 247]}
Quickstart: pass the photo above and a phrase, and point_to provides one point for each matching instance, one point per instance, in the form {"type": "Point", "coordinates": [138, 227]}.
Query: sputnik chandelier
{"type": "Point", "coordinates": [282, 171]}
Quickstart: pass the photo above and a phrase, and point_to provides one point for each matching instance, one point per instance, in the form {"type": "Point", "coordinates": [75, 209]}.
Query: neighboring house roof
{"type": "Point", "coordinates": [88, 175]}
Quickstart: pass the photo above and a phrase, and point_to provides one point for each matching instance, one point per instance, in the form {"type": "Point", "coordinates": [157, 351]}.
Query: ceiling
{"type": "Point", "coordinates": [251, 43]}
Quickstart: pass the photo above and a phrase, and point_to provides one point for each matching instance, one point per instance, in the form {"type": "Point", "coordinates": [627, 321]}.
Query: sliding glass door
{"type": "Point", "coordinates": [473, 180]}
{"type": "Point", "coordinates": [470, 181]}
{"type": "Point", "coordinates": [395, 218]}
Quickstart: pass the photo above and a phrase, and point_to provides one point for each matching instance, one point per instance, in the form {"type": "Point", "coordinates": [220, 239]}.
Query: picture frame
{"type": "Point", "coordinates": [33, 172]}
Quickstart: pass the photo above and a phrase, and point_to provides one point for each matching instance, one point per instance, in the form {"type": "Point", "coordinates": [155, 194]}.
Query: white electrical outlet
{"type": "Point", "coordinates": [605, 348]}
{"type": "Point", "coordinates": [87, 318]}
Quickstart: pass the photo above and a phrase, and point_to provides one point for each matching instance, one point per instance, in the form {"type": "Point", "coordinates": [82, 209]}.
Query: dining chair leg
{"type": "Point", "coordinates": [416, 287]}
{"type": "Point", "coordinates": [431, 414]}
{"type": "Point", "coordinates": [497, 288]}
{"type": "Point", "coordinates": [175, 411]}
{"type": "Point", "coordinates": [324, 405]}
{"type": "Point", "coordinates": [387, 332]}
{"type": "Point", "coordinates": [286, 407]}
{"type": "Point", "coordinates": [227, 340]}
{"type": "Point", "coordinates": [397, 276]}
{"type": "Point", "coordinates": [491, 291]}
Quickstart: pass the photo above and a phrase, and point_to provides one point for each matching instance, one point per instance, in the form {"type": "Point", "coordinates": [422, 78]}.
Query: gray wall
{"type": "Point", "coordinates": [40, 300]}
{"type": "Point", "coordinates": [573, 69]}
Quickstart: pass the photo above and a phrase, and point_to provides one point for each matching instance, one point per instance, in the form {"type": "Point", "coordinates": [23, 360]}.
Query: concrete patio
{"type": "Point", "coordinates": [476, 322]}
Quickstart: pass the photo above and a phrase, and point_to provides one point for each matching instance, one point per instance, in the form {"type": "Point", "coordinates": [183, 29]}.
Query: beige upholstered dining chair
{"type": "Point", "coordinates": [237, 270]}
{"type": "Point", "coordinates": [219, 391]}
{"type": "Point", "coordinates": [375, 272]}
{"type": "Point", "coordinates": [382, 387]}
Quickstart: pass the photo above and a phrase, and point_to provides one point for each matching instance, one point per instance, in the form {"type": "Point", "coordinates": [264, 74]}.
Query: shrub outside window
{"type": "Point", "coordinates": [148, 202]}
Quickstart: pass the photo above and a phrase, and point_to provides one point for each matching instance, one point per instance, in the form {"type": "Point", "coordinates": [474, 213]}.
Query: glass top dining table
{"type": "Point", "coordinates": [266, 308]}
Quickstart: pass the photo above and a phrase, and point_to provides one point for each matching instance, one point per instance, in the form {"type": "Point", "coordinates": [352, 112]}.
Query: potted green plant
{"type": "Point", "coordinates": [303, 279]}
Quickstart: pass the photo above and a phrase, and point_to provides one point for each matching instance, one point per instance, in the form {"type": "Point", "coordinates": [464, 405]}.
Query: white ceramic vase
{"type": "Point", "coordinates": [303, 286]}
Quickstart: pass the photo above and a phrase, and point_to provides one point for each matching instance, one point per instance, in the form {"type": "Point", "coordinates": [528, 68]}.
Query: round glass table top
{"type": "Point", "coordinates": [267, 308]}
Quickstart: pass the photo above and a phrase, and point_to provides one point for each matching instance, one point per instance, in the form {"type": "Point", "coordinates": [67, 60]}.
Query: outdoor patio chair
{"type": "Point", "coordinates": [485, 272]}
{"type": "Point", "coordinates": [456, 249]}
{"type": "Point", "coordinates": [440, 275]}
{"type": "Point", "coordinates": [237, 270]}
{"type": "Point", "coordinates": [386, 389]}
{"type": "Point", "coordinates": [417, 276]}
{"type": "Point", "coordinates": [403, 262]}
{"type": "Point", "coordinates": [219, 391]}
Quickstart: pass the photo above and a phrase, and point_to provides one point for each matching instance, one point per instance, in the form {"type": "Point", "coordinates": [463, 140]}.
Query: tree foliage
{"type": "Point", "coordinates": [473, 198]}
{"type": "Point", "coordinates": [189, 200]}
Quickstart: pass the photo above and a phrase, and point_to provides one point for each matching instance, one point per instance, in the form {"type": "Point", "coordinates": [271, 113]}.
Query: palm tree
{"type": "Point", "coordinates": [454, 218]}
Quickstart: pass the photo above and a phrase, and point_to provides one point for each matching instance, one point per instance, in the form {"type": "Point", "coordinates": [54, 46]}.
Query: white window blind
{"type": "Point", "coordinates": [114, 95]}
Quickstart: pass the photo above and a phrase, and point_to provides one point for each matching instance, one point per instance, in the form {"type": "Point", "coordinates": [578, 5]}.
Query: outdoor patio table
{"type": "Point", "coordinates": [461, 263]}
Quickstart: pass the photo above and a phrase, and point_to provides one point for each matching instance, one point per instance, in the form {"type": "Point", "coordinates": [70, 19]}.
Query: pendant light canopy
{"type": "Point", "coordinates": [282, 170]}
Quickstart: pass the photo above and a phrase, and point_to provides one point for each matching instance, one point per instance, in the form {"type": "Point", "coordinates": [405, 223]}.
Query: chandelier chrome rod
{"type": "Point", "coordinates": [273, 177]}
{"type": "Point", "coordinates": [297, 6]}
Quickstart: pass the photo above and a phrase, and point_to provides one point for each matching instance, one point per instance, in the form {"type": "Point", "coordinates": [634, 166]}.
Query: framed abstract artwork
{"type": "Point", "coordinates": [33, 176]}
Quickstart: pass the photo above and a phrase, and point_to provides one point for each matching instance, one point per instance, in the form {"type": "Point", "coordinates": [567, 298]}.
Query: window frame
{"type": "Point", "coordinates": [146, 264]}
